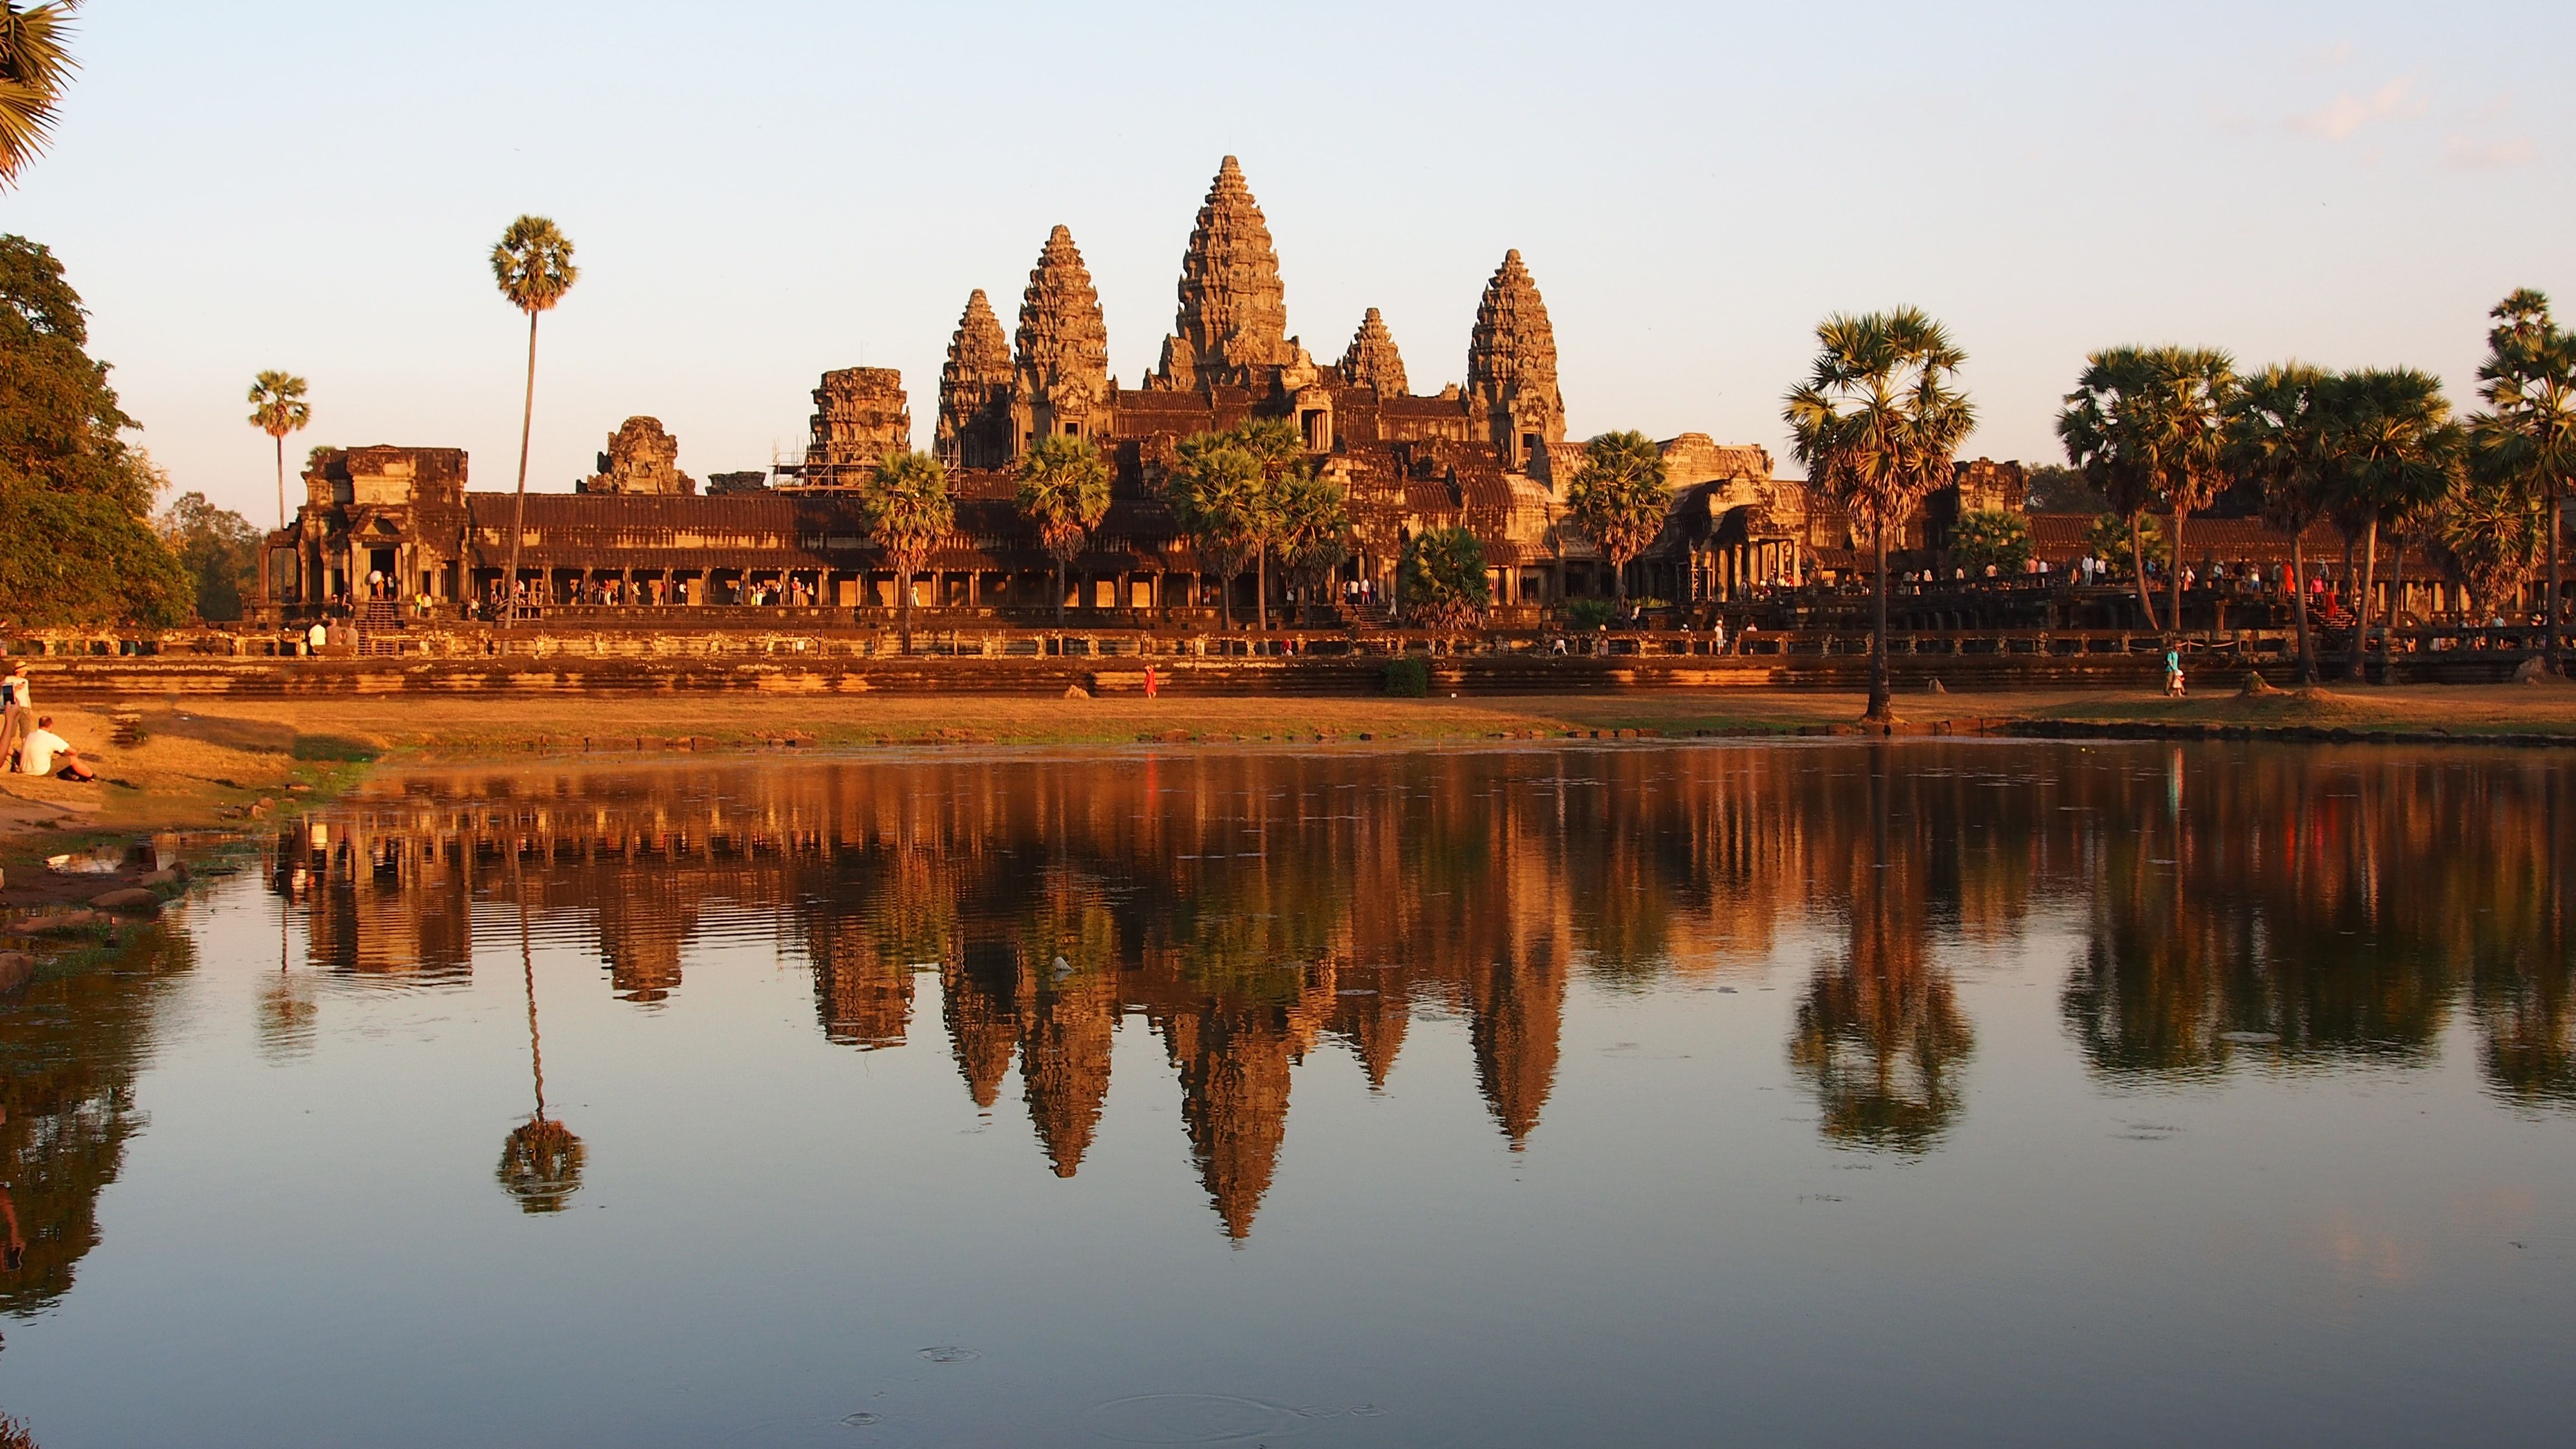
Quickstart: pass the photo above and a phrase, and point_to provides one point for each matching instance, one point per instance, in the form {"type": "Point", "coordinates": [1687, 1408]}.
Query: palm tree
{"type": "Point", "coordinates": [1876, 425]}
{"type": "Point", "coordinates": [2149, 425]}
{"type": "Point", "coordinates": [2391, 450]}
{"type": "Point", "coordinates": [277, 409]}
{"type": "Point", "coordinates": [2278, 438]}
{"type": "Point", "coordinates": [2487, 534]}
{"type": "Point", "coordinates": [533, 265]}
{"type": "Point", "coordinates": [1619, 498]}
{"type": "Point", "coordinates": [35, 64]}
{"type": "Point", "coordinates": [1312, 526]}
{"type": "Point", "coordinates": [1280, 449]}
{"type": "Point", "coordinates": [1064, 489]}
{"type": "Point", "coordinates": [906, 510]}
{"type": "Point", "coordinates": [1443, 573]}
{"type": "Point", "coordinates": [1218, 496]}
{"type": "Point", "coordinates": [2529, 384]}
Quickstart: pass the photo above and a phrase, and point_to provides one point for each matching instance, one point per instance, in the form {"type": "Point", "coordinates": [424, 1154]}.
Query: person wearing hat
{"type": "Point", "coordinates": [17, 713]}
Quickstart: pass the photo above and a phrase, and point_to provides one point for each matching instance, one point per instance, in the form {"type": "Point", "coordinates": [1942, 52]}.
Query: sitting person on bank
{"type": "Point", "coordinates": [47, 753]}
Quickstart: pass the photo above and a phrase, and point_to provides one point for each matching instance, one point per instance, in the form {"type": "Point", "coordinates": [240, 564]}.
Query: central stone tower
{"type": "Point", "coordinates": [1233, 322]}
{"type": "Point", "coordinates": [1511, 367]}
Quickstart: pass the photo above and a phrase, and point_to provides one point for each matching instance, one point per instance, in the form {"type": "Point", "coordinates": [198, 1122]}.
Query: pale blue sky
{"type": "Point", "coordinates": [761, 192]}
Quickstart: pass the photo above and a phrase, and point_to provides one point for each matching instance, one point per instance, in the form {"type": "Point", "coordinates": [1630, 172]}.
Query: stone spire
{"type": "Point", "coordinates": [1511, 366]}
{"type": "Point", "coordinates": [1371, 360]}
{"type": "Point", "coordinates": [1062, 381]}
{"type": "Point", "coordinates": [1234, 312]}
{"type": "Point", "coordinates": [975, 391]}
{"type": "Point", "coordinates": [1515, 1018]}
{"type": "Point", "coordinates": [1234, 1101]}
{"type": "Point", "coordinates": [1065, 1043]}
{"type": "Point", "coordinates": [983, 1012]}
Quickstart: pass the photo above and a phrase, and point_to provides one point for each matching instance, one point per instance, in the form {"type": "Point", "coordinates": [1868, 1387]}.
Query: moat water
{"type": "Point", "coordinates": [1790, 1094]}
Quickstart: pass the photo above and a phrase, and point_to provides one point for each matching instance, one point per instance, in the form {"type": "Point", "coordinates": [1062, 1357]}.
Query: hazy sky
{"type": "Point", "coordinates": [761, 192]}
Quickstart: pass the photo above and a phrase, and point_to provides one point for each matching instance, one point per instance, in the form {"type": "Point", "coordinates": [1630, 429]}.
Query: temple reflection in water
{"type": "Point", "coordinates": [2227, 911]}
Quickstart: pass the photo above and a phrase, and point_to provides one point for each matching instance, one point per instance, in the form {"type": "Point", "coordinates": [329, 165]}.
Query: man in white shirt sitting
{"type": "Point", "coordinates": [44, 750]}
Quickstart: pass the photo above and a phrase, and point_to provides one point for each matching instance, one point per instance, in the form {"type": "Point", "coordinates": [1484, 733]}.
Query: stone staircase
{"type": "Point", "coordinates": [380, 626]}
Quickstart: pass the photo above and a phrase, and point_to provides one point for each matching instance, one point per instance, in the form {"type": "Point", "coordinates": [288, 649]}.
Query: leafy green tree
{"type": "Point", "coordinates": [2108, 540]}
{"type": "Point", "coordinates": [218, 548]}
{"type": "Point", "coordinates": [277, 408]}
{"type": "Point", "coordinates": [1064, 489]}
{"type": "Point", "coordinates": [1312, 530]}
{"type": "Point", "coordinates": [2056, 488]}
{"type": "Point", "coordinates": [2488, 533]}
{"type": "Point", "coordinates": [1590, 616]}
{"type": "Point", "coordinates": [1219, 497]}
{"type": "Point", "coordinates": [76, 544]}
{"type": "Point", "coordinates": [1990, 536]}
{"type": "Point", "coordinates": [1877, 425]}
{"type": "Point", "coordinates": [2278, 435]}
{"type": "Point", "coordinates": [1619, 498]}
{"type": "Point", "coordinates": [2391, 451]}
{"type": "Point", "coordinates": [2149, 427]}
{"type": "Point", "coordinates": [2529, 383]}
{"type": "Point", "coordinates": [1443, 574]}
{"type": "Point", "coordinates": [905, 508]}
{"type": "Point", "coordinates": [532, 264]}
{"type": "Point", "coordinates": [35, 65]}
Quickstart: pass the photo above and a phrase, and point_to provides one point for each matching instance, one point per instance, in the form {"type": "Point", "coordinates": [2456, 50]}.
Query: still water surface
{"type": "Point", "coordinates": [1937, 1092]}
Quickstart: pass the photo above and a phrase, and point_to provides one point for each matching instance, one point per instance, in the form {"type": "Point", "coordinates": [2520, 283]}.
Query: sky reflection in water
{"type": "Point", "coordinates": [1656, 1095]}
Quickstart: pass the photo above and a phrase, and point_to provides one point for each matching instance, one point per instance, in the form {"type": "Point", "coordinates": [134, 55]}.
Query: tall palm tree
{"type": "Point", "coordinates": [2391, 450]}
{"type": "Point", "coordinates": [1064, 489]}
{"type": "Point", "coordinates": [906, 510]}
{"type": "Point", "coordinates": [1280, 449]}
{"type": "Point", "coordinates": [1219, 497]}
{"type": "Point", "coordinates": [2278, 436]}
{"type": "Point", "coordinates": [532, 263]}
{"type": "Point", "coordinates": [2529, 384]}
{"type": "Point", "coordinates": [35, 64]}
{"type": "Point", "coordinates": [1619, 498]}
{"type": "Point", "coordinates": [277, 409]}
{"type": "Point", "coordinates": [1312, 527]}
{"type": "Point", "coordinates": [1877, 424]}
{"type": "Point", "coordinates": [2149, 425]}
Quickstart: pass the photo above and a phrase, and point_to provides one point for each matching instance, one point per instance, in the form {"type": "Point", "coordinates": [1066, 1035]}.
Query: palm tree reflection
{"type": "Point", "coordinates": [1879, 1034]}
{"type": "Point", "coordinates": [541, 1161]}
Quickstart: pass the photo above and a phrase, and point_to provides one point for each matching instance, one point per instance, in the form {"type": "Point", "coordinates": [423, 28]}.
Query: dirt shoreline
{"type": "Point", "coordinates": [226, 767]}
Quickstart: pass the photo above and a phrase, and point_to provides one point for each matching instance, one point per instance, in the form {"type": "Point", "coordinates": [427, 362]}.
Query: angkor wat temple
{"type": "Point", "coordinates": [1490, 454]}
